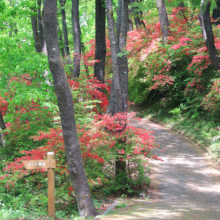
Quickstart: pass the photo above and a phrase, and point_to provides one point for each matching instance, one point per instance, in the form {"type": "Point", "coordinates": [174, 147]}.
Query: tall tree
{"type": "Point", "coordinates": [136, 13]}
{"type": "Point", "coordinates": [65, 103]}
{"type": "Point", "coordinates": [65, 32]}
{"type": "Point", "coordinates": [37, 28]}
{"type": "Point", "coordinates": [130, 22]}
{"type": "Point", "coordinates": [100, 44]}
{"type": "Point", "coordinates": [119, 91]}
{"type": "Point", "coordinates": [60, 40]}
{"type": "Point", "coordinates": [2, 124]}
{"type": "Point", "coordinates": [216, 12]}
{"type": "Point", "coordinates": [164, 22]}
{"type": "Point", "coordinates": [77, 40]}
{"type": "Point", "coordinates": [116, 101]}
{"type": "Point", "coordinates": [206, 27]}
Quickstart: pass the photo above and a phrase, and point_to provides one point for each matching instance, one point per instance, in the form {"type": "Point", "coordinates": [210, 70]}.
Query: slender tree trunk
{"type": "Point", "coordinates": [123, 61]}
{"type": "Point", "coordinates": [206, 27]}
{"type": "Point", "coordinates": [136, 14]}
{"type": "Point", "coordinates": [2, 124]}
{"type": "Point", "coordinates": [65, 103]}
{"type": "Point", "coordinates": [123, 68]}
{"type": "Point", "coordinates": [119, 92]}
{"type": "Point", "coordinates": [164, 22]}
{"type": "Point", "coordinates": [100, 44]}
{"type": "Point", "coordinates": [116, 99]}
{"type": "Point", "coordinates": [76, 35]}
{"type": "Point", "coordinates": [216, 13]}
{"type": "Point", "coordinates": [60, 40]}
{"type": "Point", "coordinates": [65, 32]}
{"type": "Point", "coordinates": [37, 28]}
{"type": "Point", "coordinates": [85, 65]}
{"type": "Point", "coordinates": [118, 24]}
{"type": "Point", "coordinates": [130, 22]}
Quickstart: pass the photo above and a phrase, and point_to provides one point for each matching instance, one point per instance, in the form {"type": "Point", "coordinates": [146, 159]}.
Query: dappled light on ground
{"type": "Point", "coordinates": [185, 185]}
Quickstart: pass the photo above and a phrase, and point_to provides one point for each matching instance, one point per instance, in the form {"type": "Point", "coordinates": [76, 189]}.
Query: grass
{"type": "Point", "coordinates": [121, 205]}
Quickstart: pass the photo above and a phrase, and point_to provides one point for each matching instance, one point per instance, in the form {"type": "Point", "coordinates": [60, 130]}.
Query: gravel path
{"type": "Point", "coordinates": [186, 185]}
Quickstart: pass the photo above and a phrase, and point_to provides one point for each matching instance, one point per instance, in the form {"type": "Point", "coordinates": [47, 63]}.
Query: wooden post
{"type": "Point", "coordinates": [51, 187]}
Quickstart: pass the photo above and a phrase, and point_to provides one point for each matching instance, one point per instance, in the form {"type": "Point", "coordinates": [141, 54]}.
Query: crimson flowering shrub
{"type": "Point", "coordinates": [100, 144]}
{"type": "Point", "coordinates": [3, 105]}
{"type": "Point", "coordinates": [90, 91]}
{"type": "Point", "coordinates": [26, 111]}
{"type": "Point", "coordinates": [99, 139]}
{"type": "Point", "coordinates": [178, 72]}
{"type": "Point", "coordinates": [89, 55]}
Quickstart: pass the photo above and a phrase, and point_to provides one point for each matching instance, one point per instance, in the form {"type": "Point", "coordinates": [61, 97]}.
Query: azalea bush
{"type": "Point", "coordinates": [100, 145]}
{"type": "Point", "coordinates": [35, 130]}
{"type": "Point", "coordinates": [178, 73]}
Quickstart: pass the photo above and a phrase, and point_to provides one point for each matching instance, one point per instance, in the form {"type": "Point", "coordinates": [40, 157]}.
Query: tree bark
{"type": "Point", "coordinates": [100, 44]}
{"type": "Point", "coordinates": [2, 124]}
{"type": "Point", "coordinates": [130, 22]}
{"type": "Point", "coordinates": [77, 41]}
{"type": "Point", "coordinates": [164, 22]}
{"type": "Point", "coordinates": [119, 92]}
{"type": "Point", "coordinates": [116, 99]}
{"type": "Point", "coordinates": [37, 28]}
{"type": "Point", "coordinates": [123, 61]}
{"type": "Point", "coordinates": [65, 32]}
{"type": "Point", "coordinates": [216, 13]}
{"type": "Point", "coordinates": [206, 27]}
{"type": "Point", "coordinates": [61, 41]}
{"type": "Point", "coordinates": [65, 103]}
{"type": "Point", "coordinates": [136, 14]}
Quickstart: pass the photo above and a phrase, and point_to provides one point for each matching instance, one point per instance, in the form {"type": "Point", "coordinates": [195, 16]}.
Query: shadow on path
{"type": "Point", "coordinates": [186, 185]}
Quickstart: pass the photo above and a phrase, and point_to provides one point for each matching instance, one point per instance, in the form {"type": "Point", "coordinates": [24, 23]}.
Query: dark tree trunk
{"type": "Point", "coordinates": [136, 14]}
{"type": "Point", "coordinates": [100, 44]}
{"type": "Point", "coordinates": [60, 40]}
{"type": "Point", "coordinates": [123, 61]}
{"type": "Point", "coordinates": [65, 32]}
{"type": "Point", "coordinates": [130, 22]}
{"type": "Point", "coordinates": [164, 22]}
{"type": "Point", "coordinates": [206, 27]}
{"type": "Point", "coordinates": [37, 27]}
{"type": "Point", "coordinates": [119, 92]}
{"type": "Point", "coordinates": [116, 98]}
{"type": "Point", "coordinates": [85, 65]}
{"type": "Point", "coordinates": [216, 13]}
{"type": "Point", "coordinates": [77, 41]}
{"type": "Point", "coordinates": [65, 103]}
{"type": "Point", "coordinates": [2, 124]}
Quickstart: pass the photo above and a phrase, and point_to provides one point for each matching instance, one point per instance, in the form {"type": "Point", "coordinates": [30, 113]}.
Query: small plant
{"type": "Point", "coordinates": [121, 205]}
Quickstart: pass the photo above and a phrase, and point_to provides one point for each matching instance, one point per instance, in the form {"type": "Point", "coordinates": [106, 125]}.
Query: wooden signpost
{"type": "Point", "coordinates": [49, 164]}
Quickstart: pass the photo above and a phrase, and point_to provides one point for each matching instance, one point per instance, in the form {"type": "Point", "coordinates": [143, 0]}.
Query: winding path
{"type": "Point", "coordinates": [186, 185]}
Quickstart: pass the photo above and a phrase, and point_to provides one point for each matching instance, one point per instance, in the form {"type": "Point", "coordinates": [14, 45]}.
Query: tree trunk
{"type": "Point", "coordinates": [130, 22]}
{"type": "Point", "coordinates": [206, 27]}
{"type": "Point", "coordinates": [216, 13]}
{"type": "Point", "coordinates": [77, 41]}
{"type": "Point", "coordinates": [136, 14]}
{"type": "Point", "coordinates": [37, 28]}
{"type": "Point", "coordinates": [60, 40]}
{"type": "Point", "coordinates": [100, 44]}
{"type": "Point", "coordinates": [123, 61]}
{"type": "Point", "coordinates": [116, 98]}
{"type": "Point", "coordinates": [65, 103]}
{"type": "Point", "coordinates": [119, 92]}
{"type": "Point", "coordinates": [65, 33]}
{"type": "Point", "coordinates": [164, 22]}
{"type": "Point", "coordinates": [2, 124]}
